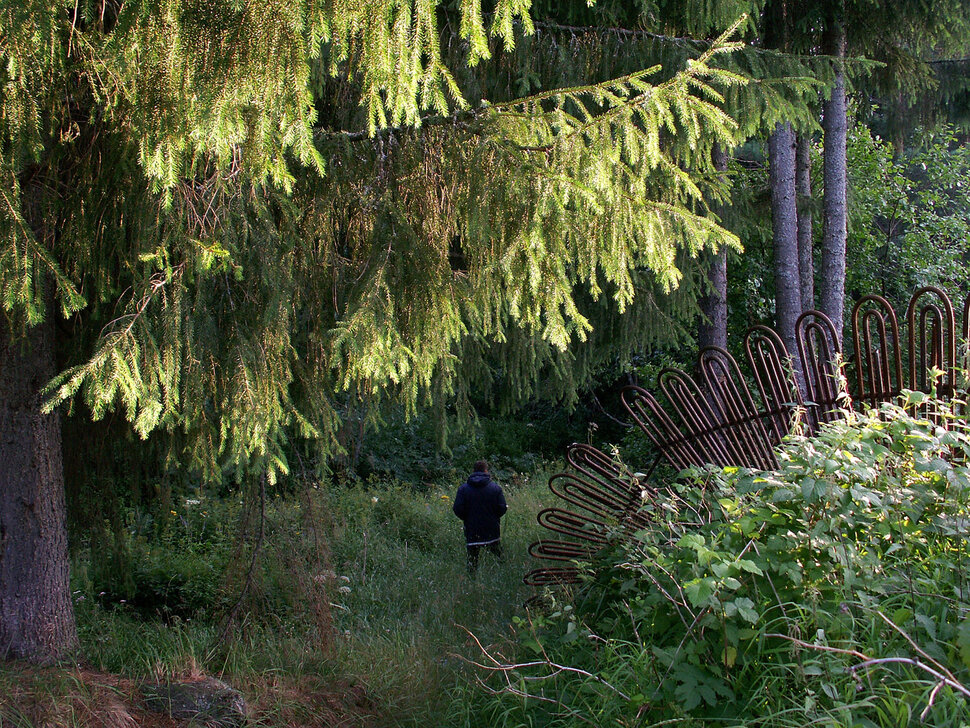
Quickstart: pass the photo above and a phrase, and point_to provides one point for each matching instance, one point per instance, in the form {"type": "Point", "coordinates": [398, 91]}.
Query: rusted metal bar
{"type": "Point", "coordinates": [731, 399]}
{"type": "Point", "coordinates": [552, 576]}
{"type": "Point", "coordinates": [699, 419]}
{"type": "Point", "coordinates": [675, 445]}
{"type": "Point", "coordinates": [614, 482]}
{"type": "Point", "coordinates": [878, 363]}
{"type": "Point", "coordinates": [819, 353]}
{"type": "Point", "coordinates": [596, 500]}
{"type": "Point", "coordinates": [576, 525]}
{"type": "Point", "coordinates": [932, 341]}
{"type": "Point", "coordinates": [554, 550]}
{"type": "Point", "coordinates": [773, 372]}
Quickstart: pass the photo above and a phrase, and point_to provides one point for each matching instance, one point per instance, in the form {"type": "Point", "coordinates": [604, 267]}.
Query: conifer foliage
{"type": "Point", "coordinates": [250, 212]}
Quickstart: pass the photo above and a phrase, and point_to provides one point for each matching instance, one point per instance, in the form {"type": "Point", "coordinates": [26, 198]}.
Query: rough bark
{"type": "Point", "coordinates": [803, 190]}
{"type": "Point", "coordinates": [784, 222]}
{"type": "Point", "coordinates": [36, 611]}
{"type": "Point", "coordinates": [834, 217]}
{"type": "Point", "coordinates": [712, 325]}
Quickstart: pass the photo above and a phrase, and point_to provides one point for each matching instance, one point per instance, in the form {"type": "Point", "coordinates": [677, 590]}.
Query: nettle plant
{"type": "Point", "coordinates": [833, 590]}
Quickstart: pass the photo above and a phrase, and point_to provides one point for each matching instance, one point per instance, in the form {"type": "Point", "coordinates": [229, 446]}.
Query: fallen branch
{"type": "Point", "coordinates": [943, 679]}
{"type": "Point", "coordinates": [942, 676]}
{"type": "Point", "coordinates": [556, 668]}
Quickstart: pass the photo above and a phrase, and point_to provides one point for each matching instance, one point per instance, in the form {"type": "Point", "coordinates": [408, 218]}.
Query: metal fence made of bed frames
{"type": "Point", "coordinates": [716, 418]}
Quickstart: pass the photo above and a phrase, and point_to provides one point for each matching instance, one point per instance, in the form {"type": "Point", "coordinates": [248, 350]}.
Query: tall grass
{"type": "Point", "coordinates": [402, 605]}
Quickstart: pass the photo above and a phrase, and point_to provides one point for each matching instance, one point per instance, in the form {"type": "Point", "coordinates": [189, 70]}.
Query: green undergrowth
{"type": "Point", "coordinates": [381, 563]}
{"type": "Point", "coordinates": [832, 592]}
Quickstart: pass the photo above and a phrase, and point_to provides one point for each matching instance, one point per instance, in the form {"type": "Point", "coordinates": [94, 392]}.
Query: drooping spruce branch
{"type": "Point", "coordinates": [248, 268]}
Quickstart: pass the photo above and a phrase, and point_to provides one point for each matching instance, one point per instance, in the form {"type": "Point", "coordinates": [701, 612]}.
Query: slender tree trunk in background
{"type": "Point", "coordinates": [36, 611]}
{"type": "Point", "coordinates": [784, 209]}
{"type": "Point", "coordinates": [712, 325]}
{"type": "Point", "coordinates": [898, 134]}
{"type": "Point", "coordinates": [803, 191]}
{"type": "Point", "coordinates": [784, 223]}
{"type": "Point", "coordinates": [834, 218]}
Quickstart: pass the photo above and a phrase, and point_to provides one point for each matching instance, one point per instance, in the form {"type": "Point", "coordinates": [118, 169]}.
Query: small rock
{"type": "Point", "coordinates": [208, 702]}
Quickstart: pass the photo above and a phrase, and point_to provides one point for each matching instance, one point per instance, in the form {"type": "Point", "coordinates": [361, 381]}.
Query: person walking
{"type": "Point", "coordinates": [480, 504]}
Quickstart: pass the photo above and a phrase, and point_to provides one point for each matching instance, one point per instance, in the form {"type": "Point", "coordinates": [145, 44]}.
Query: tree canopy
{"type": "Point", "coordinates": [235, 245]}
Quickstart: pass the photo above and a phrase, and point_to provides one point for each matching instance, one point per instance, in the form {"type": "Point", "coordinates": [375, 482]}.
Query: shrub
{"type": "Point", "coordinates": [831, 591]}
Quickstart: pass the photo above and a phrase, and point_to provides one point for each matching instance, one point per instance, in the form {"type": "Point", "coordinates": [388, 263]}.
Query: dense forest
{"type": "Point", "coordinates": [274, 275]}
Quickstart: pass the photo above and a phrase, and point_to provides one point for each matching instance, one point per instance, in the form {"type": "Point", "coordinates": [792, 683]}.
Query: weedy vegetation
{"type": "Point", "coordinates": [831, 592]}
{"type": "Point", "coordinates": [371, 631]}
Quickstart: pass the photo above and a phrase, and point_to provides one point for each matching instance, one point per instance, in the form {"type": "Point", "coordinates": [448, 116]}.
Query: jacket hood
{"type": "Point", "coordinates": [479, 480]}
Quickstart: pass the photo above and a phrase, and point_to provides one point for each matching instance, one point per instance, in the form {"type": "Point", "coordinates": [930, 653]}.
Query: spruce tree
{"type": "Point", "coordinates": [784, 89]}
{"type": "Point", "coordinates": [220, 220]}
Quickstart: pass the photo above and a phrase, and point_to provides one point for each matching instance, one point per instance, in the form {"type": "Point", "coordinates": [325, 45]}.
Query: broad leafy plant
{"type": "Point", "coordinates": [830, 591]}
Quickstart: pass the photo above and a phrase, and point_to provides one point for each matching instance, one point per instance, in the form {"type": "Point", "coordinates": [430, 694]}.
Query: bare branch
{"type": "Point", "coordinates": [820, 648]}
{"type": "Point", "coordinates": [959, 687]}
{"type": "Point", "coordinates": [916, 647]}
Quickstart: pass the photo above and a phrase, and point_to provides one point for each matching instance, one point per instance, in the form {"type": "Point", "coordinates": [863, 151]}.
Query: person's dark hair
{"type": "Point", "coordinates": [481, 466]}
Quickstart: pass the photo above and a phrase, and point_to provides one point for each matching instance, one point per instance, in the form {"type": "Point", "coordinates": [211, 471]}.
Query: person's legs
{"type": "Point", "coordinates": [496, 549]}
{"type": "Point", "coordinates": [472, 558]}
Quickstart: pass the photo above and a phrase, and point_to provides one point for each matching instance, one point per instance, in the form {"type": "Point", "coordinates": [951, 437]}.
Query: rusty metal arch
{"type": "Point", "coordinates": [964, 354]}
{"type": "Point", "coordinates": [715, 419]}
{"type": "Point", "coordinates": [731, 399]}
{"type": "Point", "coordinates": [773, 373]}
{"type": "Point", "coordinates": [552, 576]}
{"type": "Point", "coordinates": [820, 357]}
{"type": "Point", "coordinates": [606, 498]}
{"type": "Point", "coordinates": [674, 445]}
{"type": "Point", "coordinates": [877, 357]}
{"type": "Point", "coordinates": [932, 341]}
{"type": "Point", "coordinates": [695, 413]}
{"type": "Point", "coordinates": [556, 550]}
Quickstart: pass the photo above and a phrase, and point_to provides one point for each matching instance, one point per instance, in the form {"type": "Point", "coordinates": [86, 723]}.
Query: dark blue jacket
{"type": "Point", "coordinates": [480, 503]}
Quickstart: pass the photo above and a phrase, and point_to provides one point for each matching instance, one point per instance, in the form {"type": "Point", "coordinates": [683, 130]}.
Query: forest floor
{"type": "Point", "coordinates": [49, 697]}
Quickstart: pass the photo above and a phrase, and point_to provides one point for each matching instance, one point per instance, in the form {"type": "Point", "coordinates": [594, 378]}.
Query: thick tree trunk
{"type": "Point", "coordinates": [803, 189]}
{"type": "Point", "coordinates": [36, 611]}
{"type": "Point", "coordinates": [712, 326]}
{"type": "Point", "coordinates": [784, 222]}
{"type": "Point", "coordinates": [834, 217]}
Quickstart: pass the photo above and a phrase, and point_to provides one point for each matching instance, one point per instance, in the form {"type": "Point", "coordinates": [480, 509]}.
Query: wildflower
{"type": "Point", "coordinates": [444, 497]}
{"type": "Point", "coordinates": [374, 499]}
{"type": "Point", "coordinates": [173, 513]}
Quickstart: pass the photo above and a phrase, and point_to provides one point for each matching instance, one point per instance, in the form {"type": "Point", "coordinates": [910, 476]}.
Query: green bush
{"type": "Point", "coordinates": [159, 565]}
{"type": "Point", "coordinates": [832, 591]}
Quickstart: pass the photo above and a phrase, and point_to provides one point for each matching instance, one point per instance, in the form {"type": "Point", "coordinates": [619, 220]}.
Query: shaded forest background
{"type": "Point", "coordinates": [252, 252]}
